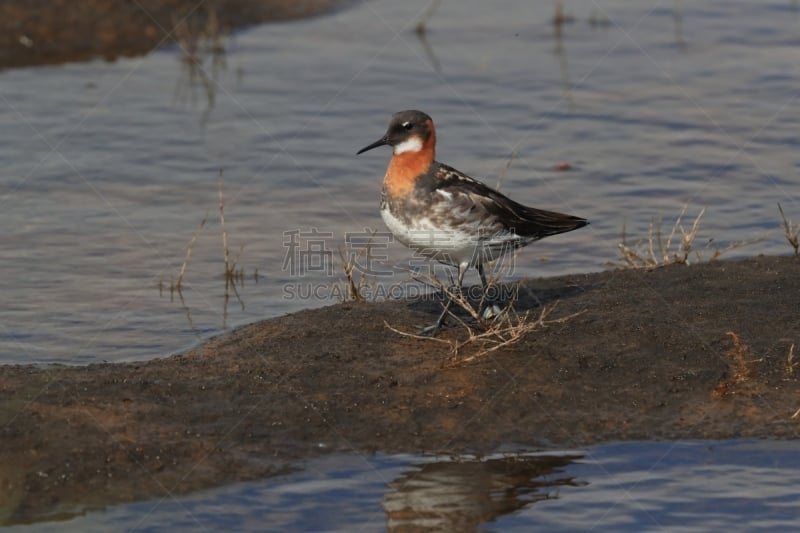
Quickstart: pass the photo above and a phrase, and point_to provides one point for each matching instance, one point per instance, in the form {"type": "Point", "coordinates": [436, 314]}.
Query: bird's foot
{"type": "Point", "coordinates": [491, 312]}
{"type": "Point", "coordinates": [430, 331]}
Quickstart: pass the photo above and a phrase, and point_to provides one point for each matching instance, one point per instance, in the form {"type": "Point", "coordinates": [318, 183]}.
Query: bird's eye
{"type": "Point", "coordinates": [407, 126]}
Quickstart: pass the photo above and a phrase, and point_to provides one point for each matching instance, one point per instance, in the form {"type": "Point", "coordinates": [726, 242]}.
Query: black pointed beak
{"type": "Point", "coordinates": [380, 142]}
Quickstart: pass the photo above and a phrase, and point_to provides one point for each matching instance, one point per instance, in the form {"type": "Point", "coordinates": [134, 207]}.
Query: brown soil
{"type": "Point", "coordinates": [676, 353]}
{"type": "Point", "coordinates": [35, 32]}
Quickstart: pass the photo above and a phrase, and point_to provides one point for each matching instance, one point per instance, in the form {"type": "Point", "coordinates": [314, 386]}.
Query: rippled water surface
{"type": "Point", "coordinates": [109, 168]}
{"type": "Point", "coordinates": [670, 486]}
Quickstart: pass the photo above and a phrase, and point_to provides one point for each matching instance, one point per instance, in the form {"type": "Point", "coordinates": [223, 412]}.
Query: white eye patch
{"type": "Point", "coordinates": [412, 144]}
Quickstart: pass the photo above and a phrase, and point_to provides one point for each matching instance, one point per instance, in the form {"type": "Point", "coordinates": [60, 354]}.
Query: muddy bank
{"type": "Point", "coordinates": [648, 357]}
{"type": "Point", "coordinates": [38, 32]}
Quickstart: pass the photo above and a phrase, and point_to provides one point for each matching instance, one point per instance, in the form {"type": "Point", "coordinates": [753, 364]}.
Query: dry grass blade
{"type": "Point", "coordinates": [357, 279]}
{"type": "Point", "coordinates": [688, 238]}
{"type": "Point", "coordinates": [231, 274]}
{"type": "Point", "coordinates": [422, 23]}
{"type": "Point", "coordinates": [502, 175]}
{"type": "Point", "coordinates": [665, 249]}
{"type": "Point", "coordinates": [222, 223]}
{"type": "Point", "coordinates": [716, 252]}
{"type": "Point", "coordinates": [791, 231]}
{"type": "Point", "coordinates": [353, 291]}
{"type": "Point", "coordinates": [560, 18]}
{"type": "Point", "coordinates": [179, 283]}
{"type": "Point", "coordinates": [791, 364]}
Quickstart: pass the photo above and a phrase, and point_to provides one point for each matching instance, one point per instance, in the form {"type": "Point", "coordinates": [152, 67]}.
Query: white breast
{"type": "Point", "coordinates": [460, 245]}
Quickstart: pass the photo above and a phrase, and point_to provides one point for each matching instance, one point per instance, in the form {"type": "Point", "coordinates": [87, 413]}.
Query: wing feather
{"type": "Point", "coordinates": [501, 213]}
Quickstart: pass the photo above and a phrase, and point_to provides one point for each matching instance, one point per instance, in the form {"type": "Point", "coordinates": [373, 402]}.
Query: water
{"type": "Point", "coordinates": [109, 168]}
{"type": "Point", "coordinates": [695, 486]}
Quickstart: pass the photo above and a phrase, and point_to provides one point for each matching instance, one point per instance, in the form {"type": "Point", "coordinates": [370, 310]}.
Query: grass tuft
{"type": "Point", "coordinates": [676, 248]}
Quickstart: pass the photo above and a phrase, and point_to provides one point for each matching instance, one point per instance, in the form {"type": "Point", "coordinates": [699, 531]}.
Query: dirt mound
{"type": "Point", "coordinates": [676, 353]}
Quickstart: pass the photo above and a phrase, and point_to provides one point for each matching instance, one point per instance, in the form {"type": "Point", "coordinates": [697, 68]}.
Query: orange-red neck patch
{"type": "Point", "coordinates": [405, 168]}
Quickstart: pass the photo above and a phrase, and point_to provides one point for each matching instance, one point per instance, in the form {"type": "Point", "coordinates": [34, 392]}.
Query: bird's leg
{"type": "Point", "coordinates": [434, 329]}
{"type": "Point", "coordinates": [486, 309]}
{"type": "Point", "coordinates": [484, 285]}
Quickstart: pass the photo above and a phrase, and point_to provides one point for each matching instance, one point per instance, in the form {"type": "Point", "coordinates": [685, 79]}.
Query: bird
{"type": "Point", "coordinates": [445, 215]}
